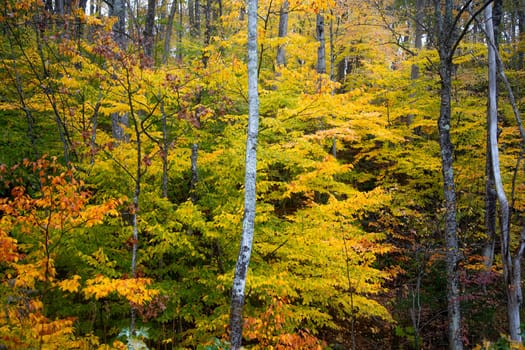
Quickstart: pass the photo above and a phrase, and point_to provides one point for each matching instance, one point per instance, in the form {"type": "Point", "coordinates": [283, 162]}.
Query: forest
{"type": "Point", "coordinates": [262, 174]}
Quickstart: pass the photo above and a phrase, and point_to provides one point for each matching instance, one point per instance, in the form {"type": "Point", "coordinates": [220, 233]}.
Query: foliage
{"type": "Point", "coordinates": [349, 209]}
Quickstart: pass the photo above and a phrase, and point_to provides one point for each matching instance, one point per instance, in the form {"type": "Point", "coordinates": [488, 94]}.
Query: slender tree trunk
{"type": "Point", "coordinates": [511, 267]}
{"type": "Point", "coordinates": [321, 51]}
{"type": "Point", "coordinates": [207, 31]}
{"type": "Point", "coordinates": [93, 141]}
{"type": "Point", "coordinates": [243, 260]}
{"type": "Point", "coordinates": [332, 48]}
{"type": "Point", "coordinates": [520, 5]}
{"type": "Point", "coordinates": [136, 198]}
{"type": "Point", "coordinates": [169, 29]}
{"type": "Point", "coordinates": [283, 32]}
{"type": "Point", "coordinates": [165, 145]}
{"type": "Point", "coordinates": [180, 30]}
{"type": "Point", "coordinates": [445, 48]}
{"type": "Point", "coordinates": [194, 171]}
{"type": "Point", "coordinates": [451, 237]}
{"type": "Point", "coordinates": [490, 211]}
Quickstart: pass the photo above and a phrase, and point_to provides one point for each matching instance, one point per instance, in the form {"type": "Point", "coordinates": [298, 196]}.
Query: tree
{"type": "Point", "coordinates": [283, 31]}
{"type": "Point", "coordinates": [243, 261]}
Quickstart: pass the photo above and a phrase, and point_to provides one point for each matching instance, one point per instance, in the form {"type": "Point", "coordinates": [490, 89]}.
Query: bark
{"type": "Point", "coordinates": [136, 198]}
{"type": "Point", "coordinates": [511, 266]}
{"type": "Point", "coordinates": [179, 34]}
{"type": "Point", "coordinates": [118, 9]}
{"type": "Point", "coordinates": [169, 29]}
{"type": "Point", "coordinates": [82, 5]}
{"type": "Point", "coordinates": [418, 35]}
{"type": "Point", "coordinates": [207, 30]}
{"type": "Point", "coordinates": [93, 140]}
{"type": "Point", "coordinates": [446, 50]}
{"type": "Point", "coordinates": [490, 211]}
{"type": "Point", "coordinates": [451, 237]}
{"type": "Point", "coordinates": [520, 5]}
{"type": "Point", "coordinates": [283, 32]}
{"type": "Point", "coordinates": [165, 145]}
{"type": "Point", "coordinates": [243, 260]}
{"type": "Point", "coordinates": [118, 122]}
{"type": "Point", "coordinates": [59, 7]}
{"type": "Point", "coordinates": [321, 51]}
{"type": "Point", "coordinates": [148, 29]}
{"type": "Point", "coordinates": [197, 27]}
{"type": "Point", "coordinates": [194, 172]}
{"type": "Point", "coordinates": [191, 14]}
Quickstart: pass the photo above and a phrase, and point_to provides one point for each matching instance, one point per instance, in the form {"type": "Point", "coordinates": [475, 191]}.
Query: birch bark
{"type": "Point", "coordinates": [243, 260]}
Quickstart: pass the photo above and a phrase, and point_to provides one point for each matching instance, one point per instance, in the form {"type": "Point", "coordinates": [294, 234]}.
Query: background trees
{"type": "Point", "coordinates": [135, 99]}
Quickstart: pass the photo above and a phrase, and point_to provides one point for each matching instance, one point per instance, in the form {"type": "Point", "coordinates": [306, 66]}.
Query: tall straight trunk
{"type": "Point", "coordinates": [59, 7]}
{"type": "Point", "coordinates": [490, 211]}
{"type": "Point", "coordinates": [148, 28]}
{"type": "Point", "coordinates": [194, 172]}
{"type": "Point", "coordinates": [418, 35]}
{"type": "Point", "coordinates": [207, 31]}
{"type": "Point", "coordinates": [165, 146]}
{"type": "Point", "coordinates": [511, 267]}
{"type": "Point", "coordinates": [283, 32]}
{"type": "Point", "coordinates": [445, 47]}
{"type": "Point", "coordinates": [191, 15]}
{"type": "Point", "coordinates": [136, 197]}
{"type": "Point", "coordinates": [449, 191]}
{"type": "Point", "coordinates": [520, 6]}
{"type": "Point", "coordinates": [169, 29]}
{"type": "Point", "coordinates": [332, 48]}
{"type": "Point", "coordinates": [197, 13]}
{"type": "Point", "coordinates": [490, 189]}
{"type": "Point", "coordinates": [243, 260]}
{"type": "Point", "coordinates": [180, 30]}
{"type": "Point", "coordinates": [119, 28]}
{"type": "Point", "coordinates": [321, 50]}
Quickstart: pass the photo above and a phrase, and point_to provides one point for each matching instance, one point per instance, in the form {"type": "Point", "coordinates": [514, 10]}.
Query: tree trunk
{"type": "Point", "coordinates": [243, 260]}
{"type": "Point", "coordinates": [148, 29]}
{"type": "Point", "coordinates": [165, 146]}
{"type": "Point", "coordinates": [194, 172]}
{"type": "Point", "coordinates": [511, 272]}
{"type": "Point", "coordinates": [197, 27]}
{"type": "Point", "coordinates": [451, 238]}
{"type": "Point", "coordinates": [119, 28]}
{"type": "Point", "coordinates": [191, 15]}
{"type": "Point", "coordinates": [418, 37]}
{"type": "Point", "coordinates": [321, 51]}
{"type": "Point", "coordinates": [169, 29]}
{"type": "Point", "coordinates": [445, 47]}
{"type": "Point", "coordinates": [283, 32]}
{"type": "Point", "coordinates": [520, 9]}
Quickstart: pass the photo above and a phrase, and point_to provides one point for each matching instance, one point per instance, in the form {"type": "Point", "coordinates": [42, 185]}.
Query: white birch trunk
{"type": "Point", "coordinates": [511, 267]}
{"type": "Point", "coordinates": [241, 269]}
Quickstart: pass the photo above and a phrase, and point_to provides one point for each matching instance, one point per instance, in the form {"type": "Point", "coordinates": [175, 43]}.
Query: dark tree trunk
{"type": "Point", "coordinates": [321, 51]}
{"type": "Point", "coordinates": [197, 27]}
{"type": "Point", "coordinates": [283, 32]}
{"type": "Point", "coordinates": [148, 29]}
{"type": "Point", "coordinates": [446, 42]}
